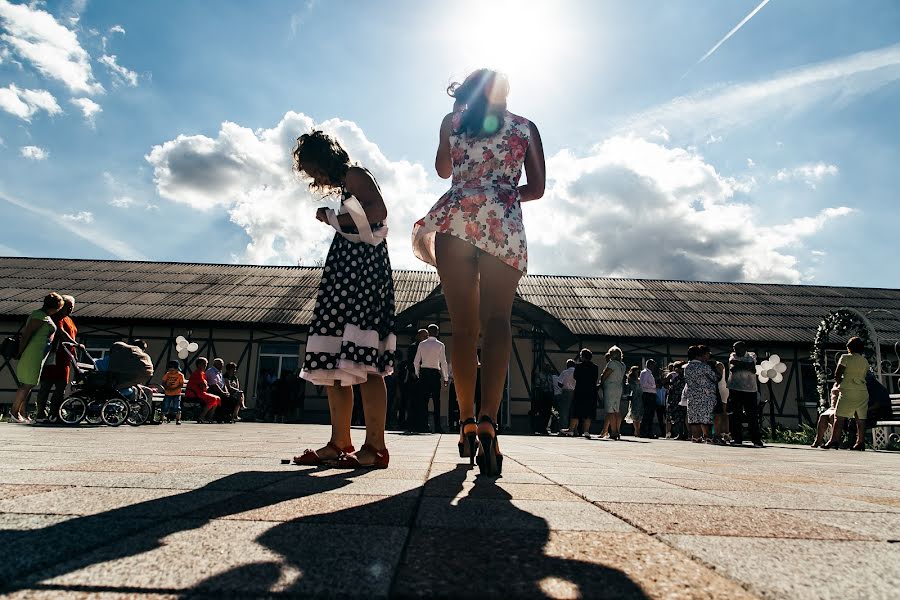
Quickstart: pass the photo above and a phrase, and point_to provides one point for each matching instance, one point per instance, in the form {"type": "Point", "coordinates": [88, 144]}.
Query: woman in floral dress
{"type": "Point", "coordinates": [475, 237]}
{"type": "Point", "coordinates": [700, 384]}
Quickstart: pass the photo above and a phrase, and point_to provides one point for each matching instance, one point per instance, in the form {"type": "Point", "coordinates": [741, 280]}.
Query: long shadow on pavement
{"type": "Point", "coordinates": [460, 548]}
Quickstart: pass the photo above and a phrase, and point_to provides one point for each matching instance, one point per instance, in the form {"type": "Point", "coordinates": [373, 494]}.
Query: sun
{"type": "Point", "coordinates": [524, 39]}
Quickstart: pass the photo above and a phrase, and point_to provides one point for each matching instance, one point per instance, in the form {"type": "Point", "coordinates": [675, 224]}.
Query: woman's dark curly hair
{"type": "Point", "coordinates": [483, 96]}
{"type": "Point", "coordinates": [321, 152]}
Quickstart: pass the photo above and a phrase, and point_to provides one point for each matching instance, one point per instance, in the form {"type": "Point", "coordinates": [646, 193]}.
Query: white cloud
{"type": "Point", "coordinates": [811, 173]}
{"type": "Point", "coordinates": [299, 18]}
{"type": "Point", "coordinates": [89, 108]}
{"type": "Point", "coordinates": [83, 216]}
{"type": "Point", "coordinates": [638, 208]}
{"type": "Point", "coordinates": [713, 139]}
{"type": "Point", "coordinates": [117, 29]}
{"type": "Point", "coordinates": [248, 175]}
{"type": "Point", "coordinates": [23, 103]}
{"type": "Point", "coordinates": [725, 107]}
{"type": "Point", "coordinates": [52, 48]}
{"type": "Point", "coordinates": [750, 163]}
{"type": "Point", "coordinates": [122, 201]}
{"type": "Point", "coordinates": [121, 75]}
{"type": "Point", "coordinates": [34, 153]}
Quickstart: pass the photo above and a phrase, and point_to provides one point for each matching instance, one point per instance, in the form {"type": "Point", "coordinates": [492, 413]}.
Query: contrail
{"type": "Point", "coordinates": [729, 34]}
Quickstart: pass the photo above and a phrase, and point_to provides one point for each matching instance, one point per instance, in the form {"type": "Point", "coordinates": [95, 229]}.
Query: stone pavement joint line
{"type": "Point", "coordinates": [209, 510]}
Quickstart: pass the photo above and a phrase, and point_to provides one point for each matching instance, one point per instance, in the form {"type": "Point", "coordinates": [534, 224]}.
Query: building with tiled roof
{"type": "Point", "coordinates": [256, 316]}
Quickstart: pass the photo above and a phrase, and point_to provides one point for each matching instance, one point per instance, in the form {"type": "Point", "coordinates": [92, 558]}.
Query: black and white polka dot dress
{"type": "Point", "coordinates": [352, 331]}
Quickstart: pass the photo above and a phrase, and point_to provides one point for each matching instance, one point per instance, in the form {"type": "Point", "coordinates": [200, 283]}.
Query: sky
{"type": "Point", "coordinates": [748, 140]}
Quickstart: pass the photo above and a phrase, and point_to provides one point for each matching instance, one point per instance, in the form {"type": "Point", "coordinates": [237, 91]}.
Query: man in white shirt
{"type": "Point", "coordinates": [648, 396]}
{"type": "Point", "coordinates": [566, 385]}
{"type": "Point", "coordinates": [431, 368]}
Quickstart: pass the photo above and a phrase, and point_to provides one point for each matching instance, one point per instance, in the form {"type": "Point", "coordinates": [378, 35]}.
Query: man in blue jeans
{"type": "Point", "coordinates": [648, 397]}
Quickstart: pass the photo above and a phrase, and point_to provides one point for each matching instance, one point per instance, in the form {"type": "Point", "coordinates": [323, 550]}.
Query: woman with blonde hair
{"type": "Point", "coordinates": [853, 395]}
{"type": "Point", "coordinates": [475, 237]}
{"type": "Point", "coordinates": [613, 378]}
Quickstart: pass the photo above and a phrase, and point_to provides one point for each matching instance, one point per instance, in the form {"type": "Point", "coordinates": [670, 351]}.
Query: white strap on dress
{"type": "Point", "coordinates": [352, 207]}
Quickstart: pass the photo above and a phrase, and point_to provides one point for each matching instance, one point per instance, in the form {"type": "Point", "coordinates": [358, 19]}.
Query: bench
{"type": "Point", "coordinates": [881, 432]}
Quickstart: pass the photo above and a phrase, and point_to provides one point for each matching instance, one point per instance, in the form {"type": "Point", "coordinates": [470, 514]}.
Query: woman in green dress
{"type": "Point", "coordinates": [34, 346]}
{"type": "Point", "coordinates": [853, 398]}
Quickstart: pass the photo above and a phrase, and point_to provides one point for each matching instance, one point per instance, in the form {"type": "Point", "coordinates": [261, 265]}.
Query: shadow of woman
{"type": "Point", "coordinates": [39, 554]}
{"type": "Point", "coordinates": [443, 540]}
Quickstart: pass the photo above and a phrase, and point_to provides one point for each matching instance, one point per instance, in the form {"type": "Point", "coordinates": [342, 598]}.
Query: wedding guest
{"type": "Point", "coordinates": [475, 237]}
{"type": "Point", "coordinates": [584, 399]}
{"type": "Point", "coordinates": [635, 399]}
{"type": "Point", "coordinates": [648, 395]}
{"type": "Point", "coordinates": [235, 391]}
{"type": "Point", "coordinates": [853, 396]}
{"type": "Point", "coordinates": [675, 412]}
{"type": "Point", "coordinates": [351, 336]}
{"type": "Point", "coordinates": [742, 394]}
{"type": "Point", "coordinates": [198, 389]}
{"type": "Point", "coordinates": [34, 347]}
{"type": "Point", "coordinates": [432, 369]}
{"type": "Point", "coordinates": [612, 378]}
{"type": "Point", "coordinates": [700, 392]}
{"type": "Point", "coordinates": [566, 384]}
{"type": "Point", "coordinates": [55, 377]}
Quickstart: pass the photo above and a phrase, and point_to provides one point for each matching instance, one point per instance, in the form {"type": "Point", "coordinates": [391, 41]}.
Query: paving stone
{"type": "Point", "coordinates": [9, 491]}
{"type": "Point", "coordinates": [877, 525]}
{"type": "Point", "coordinates": [770, 567]}
{"type": "Point", "coordinates": [337, 509]}
{"type": "Point", "coordinates": [243, 558]}
{"type": "Point", "coordinates": [608, 480]}
{"type": "Point", "coordinates": [894, 503]}
{"type": "Point", "coordinates": [807, 500]}
{"type": "Point", "coordinates": [123, 502]}
{"type": "Point", "coordinates": [674, 495]}
{"type": "Point", "coordinates": [516, 514]}
{"type": "Point", "coordinates": [725, 520]}
{"type": "Point", "coordinates": [564, 564]}
{"type": "Point", "coordinates": [723, 484]}
{"type": "Point", "coordinates": [498, 490]}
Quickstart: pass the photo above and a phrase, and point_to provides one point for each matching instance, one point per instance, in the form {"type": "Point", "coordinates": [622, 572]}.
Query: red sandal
{"type": "Point", "coordinates": [312, 459]}
{"type": "Point", "coordinates": [349, 461]}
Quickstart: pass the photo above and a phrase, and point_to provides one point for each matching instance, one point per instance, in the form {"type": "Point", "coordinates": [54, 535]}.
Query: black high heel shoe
{"type": "Point", "coordinates": [490, 461]}
{"type": "Point", "coordinates": [470, 446]}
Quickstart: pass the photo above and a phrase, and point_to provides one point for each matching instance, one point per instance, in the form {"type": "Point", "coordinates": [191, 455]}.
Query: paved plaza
{"type": "Point", "coordinates": [209, 510]}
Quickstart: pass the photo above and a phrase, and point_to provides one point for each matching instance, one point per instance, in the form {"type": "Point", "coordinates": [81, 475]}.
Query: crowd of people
{"type": "Point", "coordinates": [700, 399]}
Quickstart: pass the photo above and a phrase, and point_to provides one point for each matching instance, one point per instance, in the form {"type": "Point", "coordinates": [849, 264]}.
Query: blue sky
{"type": "Point", "coordinates": [161, 130]}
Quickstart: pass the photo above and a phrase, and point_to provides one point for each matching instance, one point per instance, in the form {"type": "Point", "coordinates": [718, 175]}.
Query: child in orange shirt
{"type": "Point", "coordinates": [173, 381]}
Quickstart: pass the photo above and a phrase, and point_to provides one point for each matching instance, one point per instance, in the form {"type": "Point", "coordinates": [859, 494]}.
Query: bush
{"type": "Point", "coordinates": [783, 435]}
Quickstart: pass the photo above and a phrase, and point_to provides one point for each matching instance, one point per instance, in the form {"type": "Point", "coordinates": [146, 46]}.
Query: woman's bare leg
{"type": "Point", "coordinates": [340, 407]}
{"type": "Point", "coordinates": [860, 434]}
{"type": "Point", "coordinates": [498, 283]}
{"type": "Point", "coordinates": [20, 403]}
{"type": "Point", "coordinates": [458, 269]}
{"type": "Point", "coordinates": [836, 430]}
{"type": "Point", "coordinates": [637, 426]}
{"type": "Point", "coordinates": [587, 426]}
{"type": "Point", "coordinates": [374, 399]}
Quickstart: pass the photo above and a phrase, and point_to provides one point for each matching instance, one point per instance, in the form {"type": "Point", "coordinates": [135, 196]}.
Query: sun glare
{"type": "Point", "coordinates": [522, 39]}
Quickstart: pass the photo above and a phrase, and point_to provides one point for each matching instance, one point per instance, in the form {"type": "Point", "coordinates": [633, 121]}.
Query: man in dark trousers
{"type": "Point", "coordinates": [415, 422]}
{"type": "Point", "coordinates": [648, 397]}
{"type": "Point", "coordinates": [432, 368]}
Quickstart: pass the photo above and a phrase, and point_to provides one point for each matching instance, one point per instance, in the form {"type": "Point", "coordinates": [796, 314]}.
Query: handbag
{"type": "Point", "coordinates": [9, 347]}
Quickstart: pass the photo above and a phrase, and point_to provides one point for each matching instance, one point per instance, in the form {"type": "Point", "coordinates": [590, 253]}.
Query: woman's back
{"type": "Point", "coordinates": [855, 368]}
{"type": "Point", "coordinates": [699, 378]}
{"type": "Point", "coordinates": [616, 378]}
{"type": "Point", "coordinates": [493, 161]}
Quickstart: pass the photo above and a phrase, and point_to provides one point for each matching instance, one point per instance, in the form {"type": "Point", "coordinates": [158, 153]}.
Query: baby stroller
{"type": "Point", "coordinates": [97, 398]}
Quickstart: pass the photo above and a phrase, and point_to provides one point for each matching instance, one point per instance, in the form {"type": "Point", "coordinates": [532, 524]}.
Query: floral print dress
{"type": "Point", "coordinates": [482, 205]}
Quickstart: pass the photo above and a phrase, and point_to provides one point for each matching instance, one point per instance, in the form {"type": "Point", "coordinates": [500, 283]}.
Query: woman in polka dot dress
{"type": "Point", "coordinates": [351, 337]}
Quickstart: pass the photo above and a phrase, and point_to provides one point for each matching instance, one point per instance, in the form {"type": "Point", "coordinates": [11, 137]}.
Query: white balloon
{"type": "Point", "coordinates": [781, 367]}
{"type": "Point", "coordinates": [766, 365]}
{"type": "Point", "coordinates": [181, 346]}
{"type": "Point", "coordinates": [778, 378]}
{"type": "Point", "coordinates": [759, 369]}
{"type": "Point", "coordinates": [193, 346]}
{"type": "Point", "coordinates": [771, 373]}
{"type": "Point", "coordinates": [182, 354]}
{"type": "Point", "coordinates": [774, 359]}
{"type": "Point", "coordinates": [181, 340]}
{"type": "Point", "coordinates": [763, 379]}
